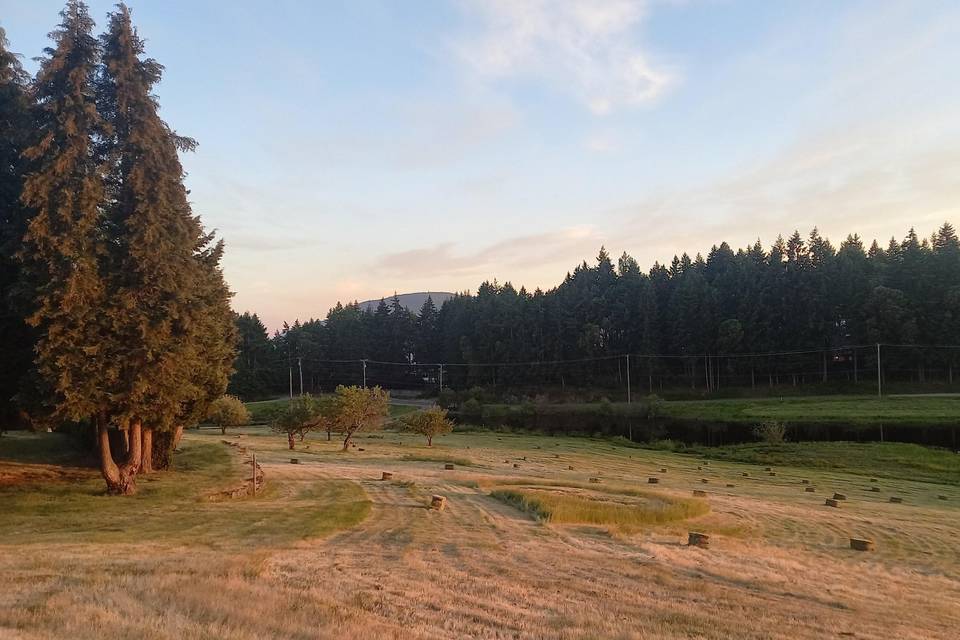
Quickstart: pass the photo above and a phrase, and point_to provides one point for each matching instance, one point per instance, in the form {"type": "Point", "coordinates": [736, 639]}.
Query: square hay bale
{"type": "Point", "coordinates": [699, 468]}
{"type": "Point", "coordinates": [896, 499]}
{"type": "Point", "coordinates": [804, 481]}
{"type": "Point", "coordinates": [839, 496]}
{"type": "Point", "coordinates": [830, 502]}
{"type": "Point", "coordinates": [730, 485]}
{"type": "Point", "coordinates": [745, 474]}
{"type": "Point", "coordinates": [705, 480]}
{"type": "Point", "coordinates": [448, 467]}
{"type": "Point", "coordinates": [438, 503]}
{"type": "Point", "coordinates": [652, 480]}
{"type": "Point", "coordinates": [595, 480]}
{"type": "Point", "coordinates": [516, 466]}
{"type": "Point", "coordinates": [772, 473]}
{"type": "Point", "coordinates": [809, 489]}
{"type": "Point", "coordinates": [386, 475]}
{"type": "Point", "coordinates": [697, 539]}
{"type": "Point", "coordinates": [860, 544]}
{"type": "Point", "coordinates": [663, 469]}
{"type": "Point", "coordinates": [699, 493]}
{"type": "Point", "coordinates": [873, 479]}
{"type": "Point", "coordinates": [768, 468]}
{"type": "Point", "coordinates": [941, 497]}
{"type": "Point", "coordinates": [874, 489]}
{"type": "Point", "coordinates": [569, 467]}
{"type": "Point", "coordinates": [294, 460]}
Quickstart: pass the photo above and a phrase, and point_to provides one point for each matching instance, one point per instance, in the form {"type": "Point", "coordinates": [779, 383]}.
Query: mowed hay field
{"type": "Point", "coordinates": [329, 550]}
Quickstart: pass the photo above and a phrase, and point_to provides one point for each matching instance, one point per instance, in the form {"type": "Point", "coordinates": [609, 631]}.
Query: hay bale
{"type": "Point", "coordinates": [294, 460]}
{"type": "Point", "coordinates": [859, 544]}
{"type": "Point", "coordinates": [745, 474]}
{"type": "Point", "coordinates": [699, 493]}
{"type": "Point", "coordinates": [804, 481]}
{"type": "Point", "coordinates": [768, 468]}
{"type": "Point", "coordinates": [652, 480]}
{"type": "Point", "coordinates": [663, 469]}
{"type": "Point", "coordinates": [516, 466]}
{"type": "Point", "coordinates": [524, 458]}
{"type": "Point", "coordinates": [699, 468]}
{"type": "Point", "coordinates": [438, 503]}
{"type": "Point", "coordinates": [839, 496]}
{"type": "Point", "coordinates": [448, 467]}
{"type": "Point", "coordinates": [569, 467]}
{"type": "Point", "coordinates": [506, 462]}
{"type": "Point", "coordinates": [772, 473]}
{"type": "Point", "coordinates": [705, 480]}
{"type": "Point", "coordinates": [874, 489]}
{"type": "Point", "coordinates": [730, 485]}
{"type": "Point", "coordinates": [556, 455]}
{"type": "Point", "coordinates": [941, 497]}
{"type": "Point", "coordinates": [830, 502]}
{"type": "Point", "coordinates": [595, 480]}
{"type": "Point", "coordinates": [386, 476]}
{"type": "Point", "coordinates": [697, 539]}
{"type": "Point", "coordinates": [873, 479]}
{"type": "Point", "coordinates": [896, 499]}
{"type": "Point", "coordinates": [809, 489]}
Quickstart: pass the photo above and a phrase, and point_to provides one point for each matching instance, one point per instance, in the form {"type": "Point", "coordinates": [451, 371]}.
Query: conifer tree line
{"type": "Point", "coordinates": [114, 314]}
{"type": "Point", "coordinates": [802, 294]}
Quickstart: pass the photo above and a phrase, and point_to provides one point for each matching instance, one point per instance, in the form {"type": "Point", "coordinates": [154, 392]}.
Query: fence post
{"type": "Point", "coordinates": [364, 363]}
{"type": "Point", "coordinates": [441, 377]}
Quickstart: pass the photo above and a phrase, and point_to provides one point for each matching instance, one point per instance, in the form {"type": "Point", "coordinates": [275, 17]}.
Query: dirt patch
{"type": "Point", "coordinates": [15, 473]}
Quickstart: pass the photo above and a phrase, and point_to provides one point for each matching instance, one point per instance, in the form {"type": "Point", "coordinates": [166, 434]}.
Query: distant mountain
{"type": "Point", "coordinates": [412, 301]}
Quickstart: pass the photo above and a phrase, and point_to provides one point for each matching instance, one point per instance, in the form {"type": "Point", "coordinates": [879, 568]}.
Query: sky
{"type": "Point", "coordinates": [353, 149]}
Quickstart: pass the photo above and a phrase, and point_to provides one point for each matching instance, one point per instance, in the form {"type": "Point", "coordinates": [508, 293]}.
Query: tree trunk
{"type": "Point", "coordinates": [121, 480]}
{"type": "Point", "coordinates": [146, 453]}
{"type": "Point", "coordinates": [346, 442]}
{"type": "Point", "coordinates": [329, 436]}
{"type": "Point", "coordinates": [177, 436]}
{"type": "Point", "coordinates": [223, 429]}
{"type": "Point", "coordinates": [290, 441]}
{"type": "Point", "coordinates": [429, 441]}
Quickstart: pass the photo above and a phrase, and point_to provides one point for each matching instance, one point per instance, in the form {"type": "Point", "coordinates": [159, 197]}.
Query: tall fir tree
{"type": "Point", "coordinates": [65, 244]}
{"type": "Point", "coordinates": [165, 296]}
{"type": "Point", "coordinates": [15, 129]}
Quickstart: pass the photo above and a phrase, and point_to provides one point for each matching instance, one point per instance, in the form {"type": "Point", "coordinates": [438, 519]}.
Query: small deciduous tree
{"type": "Point", "coordinates": [357, 409]}
{"type": "Point", "coordinates": [228, 411]}
{"type": "Point", "coordinates": [299, 417]}
{"type": "Point", "coordinates": [429, 422]}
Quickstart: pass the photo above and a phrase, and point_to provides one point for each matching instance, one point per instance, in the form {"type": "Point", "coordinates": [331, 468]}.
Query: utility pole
{"type": "Point", "coordinates": [441, 377]}
{"type": "Point", "coordinates": [879, 374]}
{"type": "Point", "coordinates": [364, 362]}
{"type": "Point", "coordinates": [300, 367]}
{"type": "Point", "coordinates": [628, 379]}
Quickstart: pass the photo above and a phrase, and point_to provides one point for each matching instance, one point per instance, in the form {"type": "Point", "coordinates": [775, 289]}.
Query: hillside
{"type": "Point", "coordinates": [412, 301]}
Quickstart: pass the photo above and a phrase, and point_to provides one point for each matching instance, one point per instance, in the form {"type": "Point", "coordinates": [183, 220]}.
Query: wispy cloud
{"type": "Point", "coordinates": [588, 47]}
{"type": "Point", "coordinates": [447, 259]}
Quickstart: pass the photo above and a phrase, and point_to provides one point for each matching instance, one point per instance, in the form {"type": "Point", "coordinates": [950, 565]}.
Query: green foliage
{"type": "Point", "coordinates": [228, 411]}
{"type": "Point", "coordinates": [771, 432]}
{"type": "Point", "coordinates": [301, 415]}
{"type": "Point", "coordinates": [357, 409]}
{"type": "Point", "coordinates": [430, 422]}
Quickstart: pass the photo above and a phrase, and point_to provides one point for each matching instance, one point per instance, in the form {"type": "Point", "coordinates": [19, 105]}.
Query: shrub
{"type": "Point", "coordinates": [472, 408]}
{"type": "Point", "coordinates": [447, 398]}
{"type": "Point", "coordinates": [228, 411]}
{"type": "Point", "coordinates": [771, 432]}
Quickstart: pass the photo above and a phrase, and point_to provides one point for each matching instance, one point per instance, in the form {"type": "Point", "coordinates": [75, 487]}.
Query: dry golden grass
{"type": "Point", "coordinates": [779, 566]}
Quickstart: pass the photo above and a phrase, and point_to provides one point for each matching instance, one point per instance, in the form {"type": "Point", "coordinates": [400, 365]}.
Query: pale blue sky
{"type": "Point", "coordinates": [351, 149]}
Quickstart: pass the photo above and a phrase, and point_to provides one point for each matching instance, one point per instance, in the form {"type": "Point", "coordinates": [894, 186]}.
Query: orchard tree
{"type": "Point", "coordinates": [300, 416]}
{"type": "Point", "coordinates": [357, 409]}
{"type": "Point", "coordinates": [429, 422]}
{"type": "Point", "coordinates": [228, 411]}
